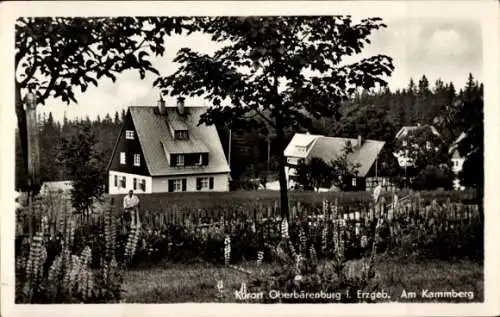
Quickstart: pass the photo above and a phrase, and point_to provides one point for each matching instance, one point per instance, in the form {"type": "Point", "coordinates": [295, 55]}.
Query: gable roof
{"type": "Point", "coordinates": [154, 136]}
{"type": "Point", "coordinates": [454, 145]}
{"type": "Point", "coordinates": [403, 132]}
{"type": "Point", "coordinates": [329, 148]}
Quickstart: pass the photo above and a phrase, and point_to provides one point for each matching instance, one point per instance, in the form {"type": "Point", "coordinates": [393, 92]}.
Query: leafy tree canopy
{"type": "Point", "coordinates": [54, 55]}
{"type": "Point", "coordinates": [285, 70]}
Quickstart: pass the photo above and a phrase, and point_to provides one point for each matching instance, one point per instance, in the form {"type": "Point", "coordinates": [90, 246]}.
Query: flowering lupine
{"type": "Point", "coordinates": [334, 209]}
{"type": "Point", "coordinates": [227, 250]}
{"type": "Point", "coordinates": [303, 240]}
{"type": "Point", "coordinates": [44, 225]}
{"type": "Point", "coordinates": [220, 288]}
{"type": "Point", "coordinates": [260, 257]}
{"type": "Point", "coordinates": [284, 229]}
{"type": "Point", "coordinates": [133, 239]}
{"type": "Point", "coordinates": [314, 256]}
{"type": "Point", "coordinates": [324, 235]}
{"type": "Point", "coordinates": [292, 249]}
{"type": "Point", "coordinates": [298, 260]}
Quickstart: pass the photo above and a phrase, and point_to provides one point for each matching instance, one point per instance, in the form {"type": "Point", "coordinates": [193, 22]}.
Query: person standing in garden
{"type": "Point", "coordinates": [130, 207]}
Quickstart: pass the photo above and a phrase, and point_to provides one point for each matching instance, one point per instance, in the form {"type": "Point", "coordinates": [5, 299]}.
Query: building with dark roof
{"type": "Point", "coordinates": [304, 147]}
{"type": "Point", "coordinates": [163, 149]}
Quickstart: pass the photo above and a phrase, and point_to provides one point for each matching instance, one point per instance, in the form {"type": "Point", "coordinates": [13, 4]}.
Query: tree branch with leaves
{"type": "Point", "coordinates": [287, 70]}
{"type": "Point", "coordinates": [55, 55]}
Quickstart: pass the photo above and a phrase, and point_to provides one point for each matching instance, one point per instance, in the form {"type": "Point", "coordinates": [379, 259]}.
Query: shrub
{"type": "Point", "coordinates": [434, 177]}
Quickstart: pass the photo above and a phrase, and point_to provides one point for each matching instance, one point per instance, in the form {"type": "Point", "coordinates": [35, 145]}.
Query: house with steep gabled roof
{"type": "Point", "coordinates": [304, 147]}
{"type": "Point", "coordinates": [457, 160]}
{"type": "Point", "coordinates": [406, 133]}
{"type": "Point", "coordinates": [163, 149]}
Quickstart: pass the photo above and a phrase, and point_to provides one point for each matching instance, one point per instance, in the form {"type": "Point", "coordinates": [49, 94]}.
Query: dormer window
{"type": "Point", "coordinates": [301, 149]}
{"type": "Point", "coordinates": [181, 134]}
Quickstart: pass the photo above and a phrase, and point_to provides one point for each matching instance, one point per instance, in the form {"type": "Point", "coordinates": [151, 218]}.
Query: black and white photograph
{"type": "Point", "coordinates": [250, 157]}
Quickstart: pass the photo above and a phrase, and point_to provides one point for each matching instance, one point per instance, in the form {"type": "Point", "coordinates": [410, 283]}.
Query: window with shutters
{"type": "Point", "coordinates": [178, 185]}
{"type": "Point", "coordinates": [137, 160]}
{"type": "Point", "coordinates": [122, 158]}
{"type": "Point", "coordinates": [202, 183]}
{"type": "Point", "coordinates": [143, 185]}
{"type": "Point", "coordinates": [124, 182]}
{"type": "Point", "coordinates": [129, 134]}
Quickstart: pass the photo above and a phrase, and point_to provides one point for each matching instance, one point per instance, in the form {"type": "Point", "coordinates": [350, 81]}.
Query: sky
{"type": "Point", "coordinates": [444, 48]}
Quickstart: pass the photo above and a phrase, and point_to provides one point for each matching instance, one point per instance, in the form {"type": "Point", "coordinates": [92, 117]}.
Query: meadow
{"type": "Point", "coordinates": [187, 253]}
{"type": "Point", "coordinates": [243, 200]}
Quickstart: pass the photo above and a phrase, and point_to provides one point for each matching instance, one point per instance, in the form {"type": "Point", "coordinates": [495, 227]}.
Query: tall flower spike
{"type": "Point", "coordinates": [260, 257]}
{"type": "Point", "coordinates": [227, 250]}
{"type": "Point", "coordinates": [284, 228]}
{"type": "Point", "coordinates": [324, 235]}
{"type": "Point", "coordinates": [298, 260]}
{"type": "Point", "coordinates": [220, 288]}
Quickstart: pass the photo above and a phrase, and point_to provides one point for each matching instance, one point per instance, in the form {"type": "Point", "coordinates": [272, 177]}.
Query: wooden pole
{"type": "Point", "coordinates": [33, 142]}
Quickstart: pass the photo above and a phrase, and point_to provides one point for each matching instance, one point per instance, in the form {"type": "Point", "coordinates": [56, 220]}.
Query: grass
{"type": "Point", "coordinates": [178, 283]}
{"type": "Point", "coordinates": [197, 282]}
{"type": "Point", "coordinates": [161, 202]}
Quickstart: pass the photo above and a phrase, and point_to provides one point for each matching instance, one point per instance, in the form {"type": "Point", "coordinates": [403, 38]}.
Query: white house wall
{"type": "Point", "coordinates": [458, 164]}
{"type": "Point", "coordinates": [221, 183]}
{"type": "Point", "coordinates": [113, 190]}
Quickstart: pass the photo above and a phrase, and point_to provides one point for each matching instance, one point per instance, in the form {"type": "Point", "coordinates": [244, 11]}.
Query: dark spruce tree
{"type": "Point", "coordinates": [261, 71]}
{"type": "Point", "coordinates": [85, 166]}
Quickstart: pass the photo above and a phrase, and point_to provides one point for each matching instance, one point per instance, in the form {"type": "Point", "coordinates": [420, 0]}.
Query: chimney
{"type": "Point", "coordinates": [161, 106]}
{"type": "Point", "coordinates": [360, 140]}
{"type": "Point", "coordinates": [180, 105]}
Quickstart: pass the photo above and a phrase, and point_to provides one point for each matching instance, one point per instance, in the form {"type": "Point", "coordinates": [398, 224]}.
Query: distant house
{"type": "Point", "coordinates": [163, 149]}
{"type": "Point", "coordinates": [304, 147]}
{"type": "Point", "coordinates": [58, 187]}
{"type": "Point", "coordinates": [457, 160]}
{"type": "Point", "coordinates": [404, 160]}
